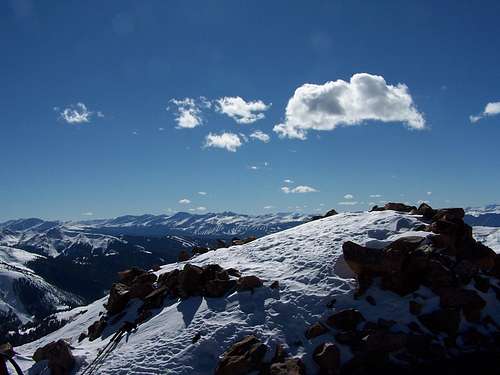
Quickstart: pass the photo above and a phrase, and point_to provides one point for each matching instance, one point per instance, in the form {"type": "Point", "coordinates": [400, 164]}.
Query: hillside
{"type": "Point", "coordinates": [188, 336]}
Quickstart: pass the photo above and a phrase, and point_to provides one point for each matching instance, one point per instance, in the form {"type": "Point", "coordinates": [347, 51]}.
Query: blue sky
{"type": "Point", "coordinates": [401, 132]}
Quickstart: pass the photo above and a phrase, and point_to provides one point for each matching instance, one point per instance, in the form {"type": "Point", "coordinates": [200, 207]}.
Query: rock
{"type": "Point", "coordinates": [415, 307]}
{"type": "Point", "coordinates": [327, 357]}
{"type": "Point", "coordinates": [401, 207]}
{"type": "Point", "coordinates": [183, 256]}
{"type": "Point", "coordinates": [275, 285]}
{"type": "Point", "coordinates": [384, 342]}
{"type": "Point", "coordinates": [465, 299]}
{"type": "Point", "coordinates": [291, 366]}
{"type": "Point", "coordinates": [346, 320]}
{"type": "Point", "coordinates": [441, 320]}
{"type": "Point", "coordinates": [127, 277]}
{"type": "Point", "coordinates": [481, 283]}
{"type": "Point", "coordinates": [96, 329]}
{"type": "Point", "coordinates": [200, 250]}
{"type": "Point", "coordinates": [426, 211]}
{"type": "Point", "coordinates": [465, 271]}
{"type": "Point", "coordinates": [190, 281]}
{"type": "Point", "coordinates": [7, 350]}
{"type": "Point", "coordinates": [457, 213]}
{"type": "Point", "coordinates": [248, 283]}
{"type": "Point", "coordinates": [363, 260]}
{"type": "Point", "coordinates": [233, 272]}
{"type": "Point", "coordinates": [196, 338]}
{"type": "Point", "coordinates": [242, 357]}
{"type": "Point", "coordinates": [140, 290]}
{"type": "Point", "coordinates": [218, 288]}
{"type": "Point", "coordinates": [119, 295]}
{"type": "Point", "coordinates": [279, 354]}
{"type": "Point", "coordinates": [82, 337]}
{"type": "Point", "coordinates": [59, 357]}
{"type": "Point", "coordinates": [317, 329]}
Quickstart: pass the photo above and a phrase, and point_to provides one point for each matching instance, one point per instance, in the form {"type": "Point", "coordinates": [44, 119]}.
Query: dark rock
{"type": "Point", "coordinates": [327, 357]}
{"type": "Point", "coordinates": [248, 283]}
{"type": "Point", "coordinates": [127, 277]}
{"type": "Point", "coordinates": [441, 320]}
{"type": "Point", "coordinates": [291, 366]}
{"type": "Point", "coordinates": [119, 295]}
{"type": "Point", "coordinates": [218, 288]}
{"type": "Point", "coordinates": [482, 283]}
{"type": "Point", "coordinates": [346, 320]}
{"type": "Point", "coordinates": [242, 357]}
{"type": "Point", "coordinates": [385, 342]}
{"type": "Point", "coordinates": [190, 281]}
{"type": "Point", "coordinates": [196, 338]}
{"type": "Point", "coordinates": [415, 307]}
{"type": "Point", "coordinates": [275, 285]}
{"type": "Point", "coordinates": [371, 300]}
{"type": "Point", "coordinates": [183, 256]}
{"type": "Point", "coordinates": [401, 207]}
{"type": "Point", "coordinates": [466, 299]}
{"type": "Point", "coordinates": [233, 272]}
{"type": "Point", "coordinates": [331, 304]}
{"type": "Point", "coordinates": [465, 271]}
{"type": "Point", "coordinates": [317, 329]}
{"type": "Point", "coordinates": [200, 250]}
{"type": "Point", "coordinates": [96, 329]}
{"type": "Point", "coordinates": [82, 337]}
{"type": "Point", "coordinates": [59, 357]}
{"type": "Point", "coordinates": [426, 211]}
{"type": "Point", "coordinates": [279, 354]}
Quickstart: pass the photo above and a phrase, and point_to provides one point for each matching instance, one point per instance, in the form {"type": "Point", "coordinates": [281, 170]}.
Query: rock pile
{"type": "Point", "coordinates": [247, 356]}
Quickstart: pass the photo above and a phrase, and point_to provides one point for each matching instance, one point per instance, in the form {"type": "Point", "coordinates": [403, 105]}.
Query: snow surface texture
{"type": "Point", "coordinates": [306, 260]}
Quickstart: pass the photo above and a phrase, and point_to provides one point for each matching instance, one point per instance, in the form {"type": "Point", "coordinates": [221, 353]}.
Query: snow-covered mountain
{"type": "Point", "coordinates": [188, 336]}
{"type": "Point", "coordinates": [487, 216]}
{"type": "Point", "coordinates": [223, 224]}
{"type": "Point", "coordinates": [24, 295]}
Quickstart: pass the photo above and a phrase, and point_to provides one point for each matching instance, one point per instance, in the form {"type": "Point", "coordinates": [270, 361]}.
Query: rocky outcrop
{"type": "Point", "coordinates": [58, 355]}
{"type": "Point", "coordinates": [183, 256]}
{"type": "Point", "coordinates": [328, 214]}
{"type": "Point", "coordinates": [327, 357]}
{"type": "Point", "coordinates": [243, 357]}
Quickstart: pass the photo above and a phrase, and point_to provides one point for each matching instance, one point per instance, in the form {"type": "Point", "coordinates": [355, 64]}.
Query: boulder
{"type": "Point", "coordinates": [317, 329]}
{"type": "Point", "coordinates": [96, 329]}
{"type": "Point", "coordinates": [291, 366]}
{"type": "Point", "coordinates": [248, 283]}
{"type": "Point", "coordinates": [59, 357]}
{"type": "Point", "coordinates": [190, 281]}
{"type": "Point", "coordinates": [218, 288]}
{"type": "Point", "coordinates": [401, 207]}
{"type": "Point", "coordinates": [127, 277]}
{"type": "Point", "coordinates": [119, 295]}
{"type": "Point", "coordinates": [442, 320]}
{"type": "Point", "coordinates": [384, 342]}
{"type": "Point", "coordinates": [183, 256]}
{"type": "Point", "coordinates": [327, 357]}
{"type": "Point", "coordinates": [426, 211]}
{"type": "Point", "coordinates": [346, 320]}
{"type": "Point", "coordinates": [242, 358]}
{"type": "Point", "coordinates": [200, 250]}
{"type": "Point", "coordinates": [467, 300]}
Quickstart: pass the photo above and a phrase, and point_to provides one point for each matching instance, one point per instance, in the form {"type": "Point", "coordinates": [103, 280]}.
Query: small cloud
{"type": "Point", "coordinates": [201, 208]}
{"type": "Point", "coordinates": [288, 181]}
{"type": "Point", "coordinates": [254, 167]}
{"type": "Point", "coordinates": [77, 113]}
{"type": "Point", "coordinates": [301, 189]}
{"type": "Point", "coordinates": [365, 97]}
{"type": "Point", "coordinates": [375, 196]}
{"type": "Point", "coordinates": [188, 113]}
{"type": "Point", "coordinates": [88, 214]}
{"type": "Point", "coordinates": [202, 193]}
{"type": "Point", "coordinates": [491, 109]}
{"type": "Point", "coordinates": [348, 203]}
{"type": "Point", "coordinates": [268, 207]}
{"type": "Point", "coordinates": [261, 136]}
{"type": "Point", "coordinates": [135, 132]}
{"type": "Point", "coordinates": [161, 129]}
{"type": "Point", "coordinates": [184, 201]}
{"type": "Point", "coordinates": [229, 141]}
{"type": "Point", "coordinates": [429, 193]}
{"type": "Point", "coordinates": [423, 201]}
{"type": "Point", "coordinates": [348, 196]}
{"type": "Point", "coordinates": [241, 111]}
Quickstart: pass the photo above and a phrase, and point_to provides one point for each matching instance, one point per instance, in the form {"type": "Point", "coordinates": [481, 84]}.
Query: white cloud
{"type": "Point", "coordinates": [288, 181]}
{"type": "Point", "coordinates": [188, 114]}
{"type": "Point", "coordinates": [201, 208]}
{"type": "Point", "coordinates": [491, 109]}
{"type": "Point", "coordinates": [261, 136]}
{"type": "Point", "coordinates": [348, 196]}
{"type": "Point", "coordinates": [375, 196]}
{"type": "Point", "coordinates": [268, 207]}
{"type": "Point", "coordinates": [202, 193]}
{"type": "Point", "coordinates": [229, 141]}
{"type": "Point", "coordinates": [184, 201]}
{"type": "Point", "coordinates": [254, 167]}
{"type": "Point", "coordinates": [301, 189]}
{"type": "Point", "coordinates": [241, 111]}
{"type": "Point", "coordinates": [335, 103]}
{"type": "Point", "coordinates": [429, 193]}
{"type": "Point", "coordinates": [88, 214]}
{"type": "Point", "coordinates": [77, 113]}
{"type": "Point", "coordinates": [422, 201]}
{"type": "Point", "coordinates": [161, 129]}
{"type": "Point", "coordinates": [348, 203]}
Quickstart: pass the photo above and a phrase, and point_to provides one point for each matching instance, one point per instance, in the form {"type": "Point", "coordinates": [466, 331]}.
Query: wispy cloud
{"type": "Point", "coordinates": [77, 113]}
{"type": "Point", "coordinates": [301, 189]}
{"type": "Point", "coordinates": [229, 141]}
{"type": "Point", "coordinates": [348, 196]}
{"type": "Point", "coordinates": [491, 109]}
{"type": "Point", "coordinates": [375, 196]}
{"type": "Point", "coordinates": [241, 111]}
{"type": "Point", "coordinates": [348, 203]}
{"type": "Point", "coordinates": [202, 193]}
{"type": "Point", "coordinates": [261, 136]}
{"type": "Point", "coordinates": [188, 113]}
{"type": "Point", "coordinates": [87, 214]}
{"type": "Point", "coordinates": [365, 97]}
{"type": "Point", "coordinates": [184, 201]}
{"type": "Point", "coordinates": [288, 181]}
{"type": "Point", "coordinates": [268, 207]}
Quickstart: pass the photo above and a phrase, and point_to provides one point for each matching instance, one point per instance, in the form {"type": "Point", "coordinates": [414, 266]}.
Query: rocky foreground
{"type": "Point", "coordinates": [397, 290]}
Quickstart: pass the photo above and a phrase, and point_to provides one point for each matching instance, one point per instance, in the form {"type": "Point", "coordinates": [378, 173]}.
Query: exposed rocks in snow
{"type": "Point", "coordinates": [243, 357]}
{"type": "Point", "coordinates": [236, 241]}
{"type": "Point", "coordinates": [183, 256]}
{"type": "Point", "coordinates": [58, 355]}
{"type": "Point", "coordinates": [327, 357]}
{"type": "Point", "coordinates": [95, 330]}
{"type": "Point", "coordinates": [400, 207]}
{"type": "Point", "coordinates": [317, 329]}
{"type": "Point", "coordinates": [249, 283]}
{"type": "Point", "coordinates": [347, 319]}
{"type": "Point", "coordinates": [328, 214]}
